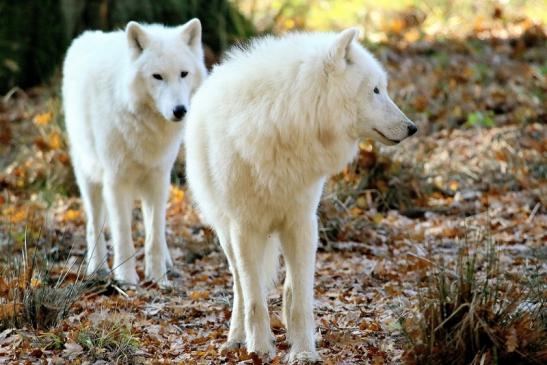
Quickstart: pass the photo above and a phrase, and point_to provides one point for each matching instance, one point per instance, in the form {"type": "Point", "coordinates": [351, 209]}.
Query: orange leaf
{"type": "Point", "coordinates": [63, 158]}
{"type": "Point", "coordinates": [43, 118]}
{"type": "Point", "coordinates": [374, 326]}
{"type": "Point", "coordinates": [71, 215]}
{"type": "Point", "coordinates": [35, 283]}
{"type": "Point", "coordinates": [397, 25]}
{"type": "Point", "coordinates": [4, 287]}
{"type": "Point", "coordinates": [55, 141]}
{"type": "Point", "coordinates": [199, 295]}
{"type": "Point", "coordinates": [18, 216]}
{"type": "Point", "coordinates": [289, 23]}
{"type": "Point", "coordinates": [412, 35]}
{"type": "Point", "coordinates": [450, 232]}
{"type": "Point", "coordinates": [177, 195]}
{"type": "Point", "coordinates": [453, 185]}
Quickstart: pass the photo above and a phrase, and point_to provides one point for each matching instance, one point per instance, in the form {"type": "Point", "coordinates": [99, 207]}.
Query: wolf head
{"type": "Point", "coordinates": [364, 82]}
{"type": "Point", "coordinates": [167, 66]}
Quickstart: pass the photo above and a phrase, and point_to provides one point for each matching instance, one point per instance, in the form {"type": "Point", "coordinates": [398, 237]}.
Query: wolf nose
{"type": "Point", "coordinates": [412, 129]}
{"type": "Point", "coordinates": [179, 111]}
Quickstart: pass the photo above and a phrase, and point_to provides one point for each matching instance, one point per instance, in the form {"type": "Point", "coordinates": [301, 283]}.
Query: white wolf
{"type": "Point", "coordinates": [266, 129]}
{"type": "Point", "coordinates": [125, 94]}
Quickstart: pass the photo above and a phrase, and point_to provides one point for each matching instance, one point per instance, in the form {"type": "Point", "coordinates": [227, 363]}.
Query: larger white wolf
{"type": "Point", "coordinates": [265, 131]}
{"type": "Point", "coordinates": [125, 94]}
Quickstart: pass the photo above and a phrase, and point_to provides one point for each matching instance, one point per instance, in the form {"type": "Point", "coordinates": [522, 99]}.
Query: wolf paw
{"type": "Point", "coordinates": [172, 272]}
{"type": "Point", "coordinates": [304, 357]}
{"type": "Point", "coordinates": [126, 277]}
{"type": "Point", "coordinates": [95, 266]}
{"type": "Point", "coordinates": [155, 270]}
{"type": "Point", "coordinates": [265, 351]}
{"type": "Point", "coordinates": [99, 273]}
{"type": "Point", "coordinates": [262, 357]}
{"type": "Point", "coordinates": [231, 345]}
{"type": "Point", "coordinates": [168, 259]}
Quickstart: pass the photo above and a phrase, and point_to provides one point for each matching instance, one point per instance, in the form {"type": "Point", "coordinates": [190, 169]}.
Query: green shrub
{"type": "Point", "coordinates": [478, 314]}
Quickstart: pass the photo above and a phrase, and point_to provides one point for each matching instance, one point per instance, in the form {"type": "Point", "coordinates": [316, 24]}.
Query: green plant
{"type": "Point", "coordinates": [480, 119]}
{"type": "Point", "coordinates": [476, 315]}
{"type": "Point", "coordinates": [112, 341]}
{"type": "Point", "coordinates": [30, 295]}
{"type": "Point", "coordinates": [51, 341]}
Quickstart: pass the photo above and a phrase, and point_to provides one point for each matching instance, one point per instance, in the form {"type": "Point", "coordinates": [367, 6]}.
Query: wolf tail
{"type": "Point", "coordinates": [271, 263]}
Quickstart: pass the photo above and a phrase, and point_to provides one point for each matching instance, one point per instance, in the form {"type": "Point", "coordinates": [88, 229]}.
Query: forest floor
{"type": "Point", "coordinates": [475, 174]}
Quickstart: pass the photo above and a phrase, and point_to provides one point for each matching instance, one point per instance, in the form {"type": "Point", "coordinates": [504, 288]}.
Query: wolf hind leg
{"type": "Point", "coordinates": [236, 334]}
{"type": "Point", "coordinates": [248, 247]}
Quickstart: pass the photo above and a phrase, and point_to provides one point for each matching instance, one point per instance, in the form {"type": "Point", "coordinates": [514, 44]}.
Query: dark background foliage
{"type": "Point", "coordinates": [34, 35]}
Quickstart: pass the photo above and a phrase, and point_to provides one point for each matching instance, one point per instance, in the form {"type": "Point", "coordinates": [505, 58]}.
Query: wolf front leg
{"type": "Point", "coordinates": [119, 202]}
{"type": "Point", "coordinates": [299, 244]}
{"type": "Point", "coordinates": [154, 204]}
{"type": "Point", "coordinates": [91, 193]}
{"type": "Point", "coordinates": [249, 248]}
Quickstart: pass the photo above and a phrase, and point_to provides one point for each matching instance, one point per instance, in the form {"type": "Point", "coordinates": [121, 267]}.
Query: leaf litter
{"type": "Point", "coordinates": [391, 223]}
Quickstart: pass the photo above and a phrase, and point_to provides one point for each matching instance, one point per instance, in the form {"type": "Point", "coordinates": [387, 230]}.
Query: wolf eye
{"type": "Point", "coordinates": [183, 74]}
{"type": "Point", "coordinates": [376, 90]}
{"type": "Point", "coordinates": [157, 76]}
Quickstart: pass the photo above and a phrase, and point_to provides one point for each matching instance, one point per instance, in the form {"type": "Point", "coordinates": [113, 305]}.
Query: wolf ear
{"type": "Point", "coordinates": [136, 38]}
{"type": "Point", "coordinates": [191, 34]}
{"type": "Point", "coordinates": [339, 52]}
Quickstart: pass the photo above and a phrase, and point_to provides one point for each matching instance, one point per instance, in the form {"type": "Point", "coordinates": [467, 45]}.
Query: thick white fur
{"type": "Point", "coordinates": [123, 135]}
{"type": "Point", "coordinates": [266, 129]}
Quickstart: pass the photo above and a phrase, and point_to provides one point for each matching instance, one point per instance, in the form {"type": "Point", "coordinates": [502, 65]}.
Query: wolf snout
{"type": "Point", "coordinates": [179, 112]}
{"type": "Point", "coordinates": [412, 129]}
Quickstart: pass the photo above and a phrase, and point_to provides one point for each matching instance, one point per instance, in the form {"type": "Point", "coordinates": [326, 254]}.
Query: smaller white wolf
{"type": "Point", "coordinates": [266, 129]}
{"type": "Point", "coordinates": [125, 93]}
